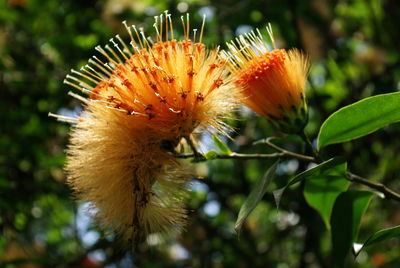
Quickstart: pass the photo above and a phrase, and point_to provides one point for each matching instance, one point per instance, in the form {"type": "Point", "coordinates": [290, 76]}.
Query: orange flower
{"type": "Point", "coordinates": [273, 81]}
{"type": "Point", "coordinates": [143, 98]}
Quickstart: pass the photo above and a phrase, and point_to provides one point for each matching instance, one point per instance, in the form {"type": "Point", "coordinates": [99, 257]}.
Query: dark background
{"type": "Point", "coordinates": [354, 48]}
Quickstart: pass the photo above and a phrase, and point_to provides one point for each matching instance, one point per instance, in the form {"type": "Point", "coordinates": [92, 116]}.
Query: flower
{"type": "Point", "coordinates": [273, 81]}
{"type": "Point", "coordinates": [143, 98]}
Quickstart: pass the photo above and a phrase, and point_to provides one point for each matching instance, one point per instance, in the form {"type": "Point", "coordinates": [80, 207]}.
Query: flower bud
{"type": "Point", "coordinates": [272, 81]}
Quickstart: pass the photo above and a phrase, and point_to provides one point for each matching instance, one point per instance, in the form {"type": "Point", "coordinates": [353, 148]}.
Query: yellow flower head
{"type": "Point", "coordinates": [273, 81]}
{"type": "Point", "coordinates": [142, 99]}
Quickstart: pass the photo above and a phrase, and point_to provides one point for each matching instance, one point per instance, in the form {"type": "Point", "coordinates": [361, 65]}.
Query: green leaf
{"type": "Point", "coordinates": [315, 171]}
{"type": "Point", "coordinates": [222, 147]}
{"type": "Point", "coordinates": [380, 236]}
{"type": "Point", "coordinates": [360, 118]}
{"type": "Point", "coordinates": [345, 222]}
{"type": "Point", "coordinates": [321, 193]}
{"type": "Point", "coordinates": [257, 193]}
{"type": "Point", "coordinates": [211, 155]}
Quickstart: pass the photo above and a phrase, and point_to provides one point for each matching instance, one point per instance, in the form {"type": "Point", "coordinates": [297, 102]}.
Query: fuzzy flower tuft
{"type": "Point", "coordinates": [273, 81]}
{"type": "Point", "coordinates": [143, 98]}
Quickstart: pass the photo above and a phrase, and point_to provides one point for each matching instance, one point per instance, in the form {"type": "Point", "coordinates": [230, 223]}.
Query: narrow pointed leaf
{"type": "Point", "coordinates": [345, 222]}
{"type": "Point", "coordinates": [257, 193]}
{"type": "Point", "coordinates": [380, 236]}
{"type": "Point", "coordinates": [222, 147]}
{"type": "Point", "coordinates": [360, 118]}
{"type": "Point", "coordinates": [278, 196]}
{"type": "Point", "coordinates": [317, 170]}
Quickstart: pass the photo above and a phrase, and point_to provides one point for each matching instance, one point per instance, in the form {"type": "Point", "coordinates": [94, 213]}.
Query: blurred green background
{"type": "Point", "coordinates": [354, 47]}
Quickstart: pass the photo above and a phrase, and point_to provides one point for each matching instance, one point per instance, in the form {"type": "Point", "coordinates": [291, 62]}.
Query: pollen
{"type": "Point", "coordinates": [142, 95]}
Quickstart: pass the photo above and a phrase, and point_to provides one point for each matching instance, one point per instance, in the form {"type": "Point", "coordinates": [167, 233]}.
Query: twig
{"type": "Point", "coordinates": [282, 153]}
{"type": "Point", "coordinates": [234, 156]}
{"type": "Point", "coordinates": [286, 153]}
{"type": "Point", "coordinates": [389, 193]}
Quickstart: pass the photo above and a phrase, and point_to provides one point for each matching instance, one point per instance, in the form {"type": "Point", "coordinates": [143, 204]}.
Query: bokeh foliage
{"type": "Point", "coordinates": [354, 47]}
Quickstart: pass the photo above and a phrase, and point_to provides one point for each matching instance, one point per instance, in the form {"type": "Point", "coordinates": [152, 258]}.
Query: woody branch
{"type": "Point", "coordinates": [283, 153]}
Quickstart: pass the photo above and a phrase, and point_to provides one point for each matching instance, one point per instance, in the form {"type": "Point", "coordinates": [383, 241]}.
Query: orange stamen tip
{"type": "Point", "coordinates": [261, 66]}
{"type": "Point", "coordinates": [143, 94]}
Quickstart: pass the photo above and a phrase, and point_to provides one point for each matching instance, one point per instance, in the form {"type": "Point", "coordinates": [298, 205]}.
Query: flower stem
{"type": "Point", "coordinates": [310, 147]}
